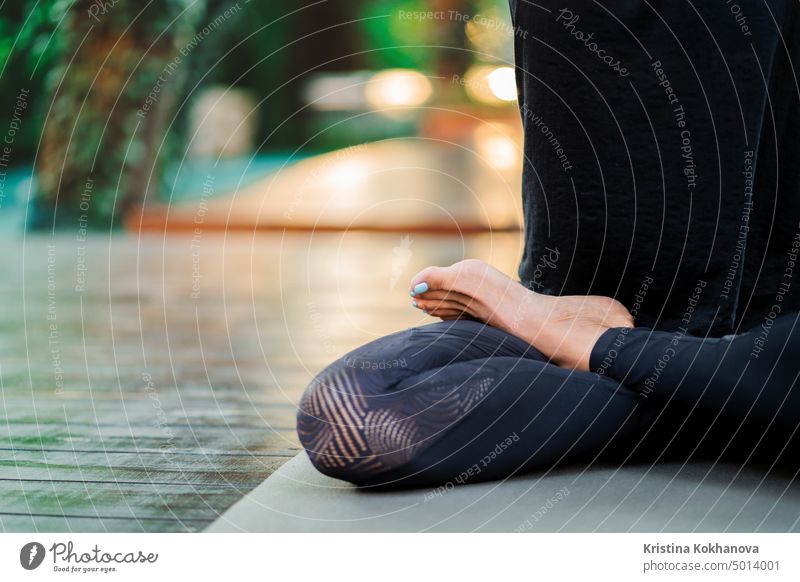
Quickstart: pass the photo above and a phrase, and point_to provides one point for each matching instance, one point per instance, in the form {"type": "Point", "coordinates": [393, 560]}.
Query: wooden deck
{"type": "Point", "coordinates": [160, 390]}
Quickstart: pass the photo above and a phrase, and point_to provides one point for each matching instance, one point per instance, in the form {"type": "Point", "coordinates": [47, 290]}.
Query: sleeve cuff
{"type": "Point", "coordinates": [603, 356]}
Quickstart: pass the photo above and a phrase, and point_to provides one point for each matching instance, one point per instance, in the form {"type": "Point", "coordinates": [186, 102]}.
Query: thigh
{"type": "Point", "coordinates": [437, 403]}
{"type": "Point", "coordinates": [355, 422]}
{"type": "Point", "coordinates": [381, 364]}
{"type": "Point", "coordinates": [493, 417]}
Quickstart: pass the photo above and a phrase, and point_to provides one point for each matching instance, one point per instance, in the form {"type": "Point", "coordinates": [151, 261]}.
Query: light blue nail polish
{"type": "Point", "coordinates": [411, 293]}
{"type": "Point", "coordinates": [421, 288]}
{"type": "Point", "coordinates": [413, 303]}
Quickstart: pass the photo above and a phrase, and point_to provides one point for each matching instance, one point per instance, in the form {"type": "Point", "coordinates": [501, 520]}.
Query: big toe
{"type": "Point", "coordinates": [432, 279]}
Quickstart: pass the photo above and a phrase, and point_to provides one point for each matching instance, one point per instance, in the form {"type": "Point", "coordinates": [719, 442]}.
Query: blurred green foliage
{"type": "Point", "coordinates": [28, 49]}
{"type": "Point", "coordinates": [268, 46]}
{"type": "Point", "coordinates": [384, 30]}
{"type": "Point", "coordinates": [253, 51]}
{"type": "Point", "coordinates": [107, 62]}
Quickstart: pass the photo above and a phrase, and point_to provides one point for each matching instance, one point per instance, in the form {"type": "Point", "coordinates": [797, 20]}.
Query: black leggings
{"type": "Point", "coordinates": [459, 401]}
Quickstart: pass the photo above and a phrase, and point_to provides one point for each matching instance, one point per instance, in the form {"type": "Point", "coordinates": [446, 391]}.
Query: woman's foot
{"type": "Point", "coordinates": [563, 328]}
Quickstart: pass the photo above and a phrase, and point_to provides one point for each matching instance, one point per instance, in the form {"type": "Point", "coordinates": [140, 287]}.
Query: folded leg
{"type": "Point", "coordinates": [432, 404]}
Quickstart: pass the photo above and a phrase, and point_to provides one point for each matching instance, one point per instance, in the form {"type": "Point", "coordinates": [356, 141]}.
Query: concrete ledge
{"type": "Point", "coordinates": [398, 186]}
{"type": "Point", "coordinates": [669, 497]}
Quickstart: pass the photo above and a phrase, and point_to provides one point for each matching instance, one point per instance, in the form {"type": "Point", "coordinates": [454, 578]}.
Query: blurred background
{"type": "Point", "coordinates": [110, 105]}
{"type": "Point", "coordinates": [205, 202]}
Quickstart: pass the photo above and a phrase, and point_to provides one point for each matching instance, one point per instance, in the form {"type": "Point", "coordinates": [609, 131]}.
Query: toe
{"type": "Point", "coordinates": [432, 304]}
{"type": "Point", "coordinates": [441, 295]}
{"type": "Point", "coordinates": [431, 278]}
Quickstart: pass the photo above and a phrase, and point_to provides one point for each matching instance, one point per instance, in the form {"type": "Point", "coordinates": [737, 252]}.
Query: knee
{"type": "Point", "coordinates": [349, 430]}
{"type": "Point", "coordinates": [330, 420]}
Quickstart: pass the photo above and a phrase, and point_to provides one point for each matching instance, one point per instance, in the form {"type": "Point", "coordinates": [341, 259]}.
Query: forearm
{"type": "Point", "coordinates": [752, 373]}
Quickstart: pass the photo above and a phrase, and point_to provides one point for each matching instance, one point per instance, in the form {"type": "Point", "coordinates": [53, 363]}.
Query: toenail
{"type": "Point", "coordinates": [421, 288]}
{"type": "Point", "coordinates": [413, 303]}
{"type": "Point", "coordinates": [412, 293]}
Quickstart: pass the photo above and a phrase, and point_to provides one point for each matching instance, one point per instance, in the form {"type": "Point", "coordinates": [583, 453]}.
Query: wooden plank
{"type": "Point", "coordinates": [154, 439]}
{"type": "Point", "coordinates": [44, 523]}
{"type": "Point", "coordinates": [274, 385]}
{"type": "Point", "coordinates": [188, 396]}
{"type": "Point", "coordinates": [118, 500]}
{"type": "Point", "coordinates": [271, 452]}
{"type": "Point", "coordinates": [143, 467]}
{"type": "Point", "coordinates": [147, 413]}
{"type": "Point", "coordinates": [142, 492]}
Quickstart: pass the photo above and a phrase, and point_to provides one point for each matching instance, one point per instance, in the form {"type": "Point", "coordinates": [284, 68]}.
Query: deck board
{"type": "Point", "coordinates": [166, 408]}
{"type": "Point", "coordinates": [84, 524]}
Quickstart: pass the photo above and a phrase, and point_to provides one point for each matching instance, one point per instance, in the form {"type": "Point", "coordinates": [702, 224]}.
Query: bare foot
{"type": "Point", "coordinates": [565, 329]}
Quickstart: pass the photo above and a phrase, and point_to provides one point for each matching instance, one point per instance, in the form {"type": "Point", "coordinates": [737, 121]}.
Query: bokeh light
{"type": "Point", "coordinates": [398, 88]}
{"type": "Point", "coordinates": [491, 85]}
{"type": "Point", "coordinates": [502, 83]}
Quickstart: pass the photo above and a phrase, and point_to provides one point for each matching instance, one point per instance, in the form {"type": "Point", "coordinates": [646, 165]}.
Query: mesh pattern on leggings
{"type": "Point", "coordinates": [355, 430]}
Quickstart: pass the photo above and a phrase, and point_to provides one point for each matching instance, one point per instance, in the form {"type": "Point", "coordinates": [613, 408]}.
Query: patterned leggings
{"type": "Point", "coordinates": [461, 401]}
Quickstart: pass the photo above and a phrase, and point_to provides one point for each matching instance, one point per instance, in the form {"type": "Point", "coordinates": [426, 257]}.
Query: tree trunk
{"type": "Point", "coordinates": [113, 97]}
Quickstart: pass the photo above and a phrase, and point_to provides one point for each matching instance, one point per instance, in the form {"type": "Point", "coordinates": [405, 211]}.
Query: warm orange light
{"type": "Point", "coordinates": [347, 173]}
{"type": "Point", "coordinates": [503, 83]}
{"type": "Point", "coordinates": [398, 88]}
{"type": "Point", "coordinates": [496, 146]}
